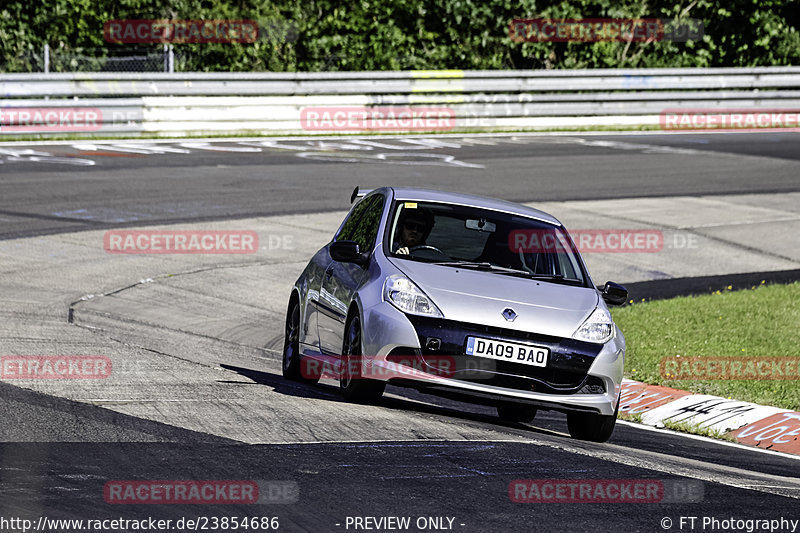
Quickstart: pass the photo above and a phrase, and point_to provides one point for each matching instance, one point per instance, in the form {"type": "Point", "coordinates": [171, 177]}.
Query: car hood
{"type": "Point", "coordinates": [480, 297]}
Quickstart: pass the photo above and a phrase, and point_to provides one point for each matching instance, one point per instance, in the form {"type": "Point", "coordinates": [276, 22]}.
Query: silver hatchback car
{"type": "Point", "coordinates": [479, 299]}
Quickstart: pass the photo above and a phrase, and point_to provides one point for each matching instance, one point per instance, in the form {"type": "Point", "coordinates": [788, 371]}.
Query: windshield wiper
{"type": "Point", "coordinates": [490, 267]}
{"type": "Point", "coordinates": [485, 265]}
{"type": "Point", "coordinates": [476, 264]}
{"type": "Point", "coordinates": [553, 278]}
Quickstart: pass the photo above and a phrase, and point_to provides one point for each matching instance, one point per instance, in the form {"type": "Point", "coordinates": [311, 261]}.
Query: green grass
{"type": "Point", "coordinates": [760, 322]}
{"type": "Point", "coordinates": [685, 427]}
{"type": "Point", "coordinates": [636, 417]}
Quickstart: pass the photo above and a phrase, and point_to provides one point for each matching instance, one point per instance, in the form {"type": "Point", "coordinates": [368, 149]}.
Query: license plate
{"type": "Point", "coordinates": [513, 352]}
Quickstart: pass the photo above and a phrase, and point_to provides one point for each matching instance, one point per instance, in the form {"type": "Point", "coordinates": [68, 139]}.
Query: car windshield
{"type": "Point", "coordinates": [481, 239]}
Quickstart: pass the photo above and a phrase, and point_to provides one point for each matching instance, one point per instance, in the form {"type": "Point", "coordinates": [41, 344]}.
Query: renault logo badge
{"type": "Point", "coordinates": [509, 314]}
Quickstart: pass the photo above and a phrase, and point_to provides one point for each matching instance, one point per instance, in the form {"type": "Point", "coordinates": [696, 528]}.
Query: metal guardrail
{"type": "Point", "coordinates": [480, 100]}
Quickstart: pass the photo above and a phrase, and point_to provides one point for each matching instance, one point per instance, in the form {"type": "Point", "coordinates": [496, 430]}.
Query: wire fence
{"type": "Point", "coordinates": [154, 59]}
{"type": "Point", "coordinates": [158, 59]}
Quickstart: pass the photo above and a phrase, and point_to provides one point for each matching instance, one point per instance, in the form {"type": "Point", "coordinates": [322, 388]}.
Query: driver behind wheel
{"type": "Point", "coordinates": [414, 226]}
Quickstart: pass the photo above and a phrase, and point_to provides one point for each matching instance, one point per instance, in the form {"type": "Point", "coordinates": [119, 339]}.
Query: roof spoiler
{"type": "Point", "coordinates": [357, 193]}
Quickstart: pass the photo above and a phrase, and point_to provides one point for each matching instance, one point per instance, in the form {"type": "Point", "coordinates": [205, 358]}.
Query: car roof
{"type": "Point", "coordinates": [430, 195]}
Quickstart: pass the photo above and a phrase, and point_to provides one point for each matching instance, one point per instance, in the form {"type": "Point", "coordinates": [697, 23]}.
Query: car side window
{"type": "Point", "coordinates": [362, 225]}
{"type": "Point", "coordinates": [346, 233]}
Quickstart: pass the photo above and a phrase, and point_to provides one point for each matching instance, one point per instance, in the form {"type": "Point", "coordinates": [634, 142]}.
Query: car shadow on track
{"type": "Point", "coordinates": [282, 385]}
{"type": "Point", "coordinates": [324, 391]}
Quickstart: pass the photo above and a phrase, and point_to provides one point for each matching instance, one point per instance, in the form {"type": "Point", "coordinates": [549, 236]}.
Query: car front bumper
{"type": "Point", "coordinates": [409, 350]}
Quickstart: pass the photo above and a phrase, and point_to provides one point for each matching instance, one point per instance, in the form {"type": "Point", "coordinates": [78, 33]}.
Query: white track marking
{"type": "Point", "coordinates": [131, 148]}
{"type": "Point", "coordinates": [219, 148]}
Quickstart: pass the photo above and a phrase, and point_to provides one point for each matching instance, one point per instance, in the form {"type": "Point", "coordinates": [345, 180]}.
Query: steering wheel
{"type": "Point", "coordinates": [425, 247]}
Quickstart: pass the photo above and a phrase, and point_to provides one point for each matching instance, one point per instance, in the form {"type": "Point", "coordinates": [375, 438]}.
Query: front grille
{"type": "Point", "coordinates": [565, 373]}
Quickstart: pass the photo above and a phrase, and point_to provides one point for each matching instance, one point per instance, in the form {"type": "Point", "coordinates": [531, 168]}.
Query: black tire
{"type": "Point", "coordinates": [591, 427]}
{"type": "Point", "coordinates": [292, 360]}
{"type": "Point", "coordinates": [354, 387]}
{"type": "Point", "coordinates": [516, 413]}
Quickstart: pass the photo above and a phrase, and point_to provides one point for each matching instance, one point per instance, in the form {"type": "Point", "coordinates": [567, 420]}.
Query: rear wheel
{"type": "Point", "coordinates": [516, 413]}
{"type": "Point", "coordinates": [291, 348]}
{"type": "Point", "coordinates": [592, 427]}
{"type": "Point", "coordinates": [353, 385]}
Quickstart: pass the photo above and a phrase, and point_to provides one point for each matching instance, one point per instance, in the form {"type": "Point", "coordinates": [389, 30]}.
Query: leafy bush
{"type": "Point", "coordinates": [314, 35]}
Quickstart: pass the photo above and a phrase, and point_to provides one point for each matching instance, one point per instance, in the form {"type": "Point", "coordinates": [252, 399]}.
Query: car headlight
{"type": "Point", "coordinates": [597, 328]}
{"type": "Point", "coordinates": [407, 297]}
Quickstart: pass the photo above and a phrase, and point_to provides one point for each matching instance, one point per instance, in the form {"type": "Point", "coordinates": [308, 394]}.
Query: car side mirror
{"type": "Point", "coordinates": [614, 293]}
{"type": "Point", "coordinates": [347, 252]}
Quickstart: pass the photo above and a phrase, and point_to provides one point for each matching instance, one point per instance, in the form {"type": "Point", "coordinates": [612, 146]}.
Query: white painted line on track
{"type": "Point", "coordinates": [353, 137]}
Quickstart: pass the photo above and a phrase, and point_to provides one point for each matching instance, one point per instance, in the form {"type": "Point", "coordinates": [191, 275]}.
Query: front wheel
{"type": "Point", "coordinates": [592, 427]}
{"type": "Point", "coordinates": [354, 386]}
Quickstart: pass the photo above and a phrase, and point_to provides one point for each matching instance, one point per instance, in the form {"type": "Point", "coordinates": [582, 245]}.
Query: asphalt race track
{"type": "Point", "coordinates": [196, 391]}
{"type": "Point", "coordinates": [125, 184]}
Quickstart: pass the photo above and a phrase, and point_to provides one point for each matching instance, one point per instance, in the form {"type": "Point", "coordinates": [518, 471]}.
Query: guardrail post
{"type": "Point", "coordinates": [46, 58]}
{"type": "Point", "coordinates": [171, 59]}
